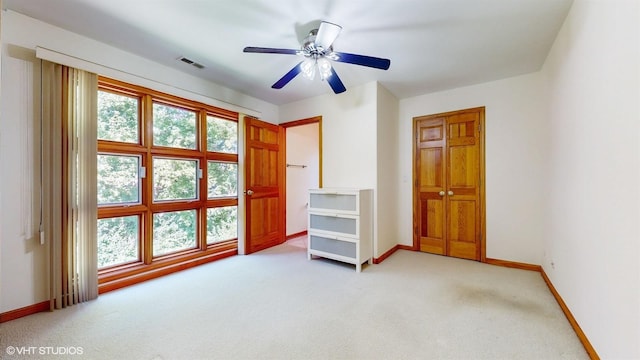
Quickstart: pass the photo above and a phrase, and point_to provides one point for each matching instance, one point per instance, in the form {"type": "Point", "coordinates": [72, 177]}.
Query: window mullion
{"type": "Point", "coordinates": [202, 141]}
{"type": "Point", "coordinates": [147, 140]}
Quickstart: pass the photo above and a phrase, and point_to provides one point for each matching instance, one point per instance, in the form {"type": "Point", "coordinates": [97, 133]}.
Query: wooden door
{"type": "Point", "coordinates": [264, 182]}
{"type": "Point", "coordinates": [431, 168]}
{"type": "Point", "coordinates": [448, 194]}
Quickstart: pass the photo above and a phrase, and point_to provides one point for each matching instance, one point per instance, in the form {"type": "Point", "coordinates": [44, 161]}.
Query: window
{"type": "Point", "coordinates": [118, 179]}
{"type": "Point", "coordinates": [175, 179]}
{"type": "Point", "coordinates": [221, 223]}
{"type": "Point", "coordinates": [174, 127]}
{"type": "Point", "coordinates": [118, 240]}
{"type": "Point", "coordinates": [174, 231]}
{"type": "Point", "coordinates": [167, 180]}
{"type": "Point", "coordinates": [118, 117]}
{"type": "Point", "coordinates": [222, 179]}
{"type": "Point", "coordinates": [222, 135]}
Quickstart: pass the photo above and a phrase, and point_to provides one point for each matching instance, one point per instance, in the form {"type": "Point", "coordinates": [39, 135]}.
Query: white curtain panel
{"type": "Point", "coordinates": [69, 110]}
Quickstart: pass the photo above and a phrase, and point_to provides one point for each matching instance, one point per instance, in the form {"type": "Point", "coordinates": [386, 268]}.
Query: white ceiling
{"type": "Point", "coordinates": [433, 44]}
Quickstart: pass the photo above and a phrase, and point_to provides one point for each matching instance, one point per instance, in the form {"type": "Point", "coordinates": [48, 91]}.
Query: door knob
{"type": "Point", "coordinates": [450, 193]}
{"type": "Point", "coordinates": [441, 193]}
{"type": "Point", "coordinates": [249, 192]}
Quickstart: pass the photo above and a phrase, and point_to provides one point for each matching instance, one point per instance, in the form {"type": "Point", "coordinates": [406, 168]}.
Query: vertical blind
{"type": "Point", "coordinates": [69, 128]}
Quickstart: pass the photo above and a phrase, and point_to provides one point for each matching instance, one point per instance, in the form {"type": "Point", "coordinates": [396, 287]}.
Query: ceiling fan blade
{"type": "Point", "coordinates": [327, 34]}
{"type": "Point", "coordinates": [335, 82]}
{"type": "Point", "coordinates": [287, 77]}
{"type": "Point", "coordinates": [370, 61]}
{"type": "Point", "coordinates": [262, 50]}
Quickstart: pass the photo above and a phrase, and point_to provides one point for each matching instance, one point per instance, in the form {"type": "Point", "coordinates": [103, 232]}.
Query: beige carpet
{"type": "Point", "coordinates": [278, 305]}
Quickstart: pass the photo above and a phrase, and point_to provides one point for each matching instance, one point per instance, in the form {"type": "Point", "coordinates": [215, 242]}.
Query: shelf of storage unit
{"type": "Point", "coordinates": [340, 225]}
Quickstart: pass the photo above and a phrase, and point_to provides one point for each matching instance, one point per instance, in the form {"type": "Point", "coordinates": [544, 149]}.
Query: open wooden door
{"type": "Point", "coordinates": [264, 182]}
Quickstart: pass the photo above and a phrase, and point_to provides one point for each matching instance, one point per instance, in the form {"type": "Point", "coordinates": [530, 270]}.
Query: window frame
{"type": "Point", "coordinates": [198, 178]}
{"type": "Point", "coordinates": [207, 184]}
{"type": "Point", "coordinates": [139, 177]}
{"type": "Point", "coordinates": [131, 262]}
{"type": "Point", "coordinates": [114, 276]}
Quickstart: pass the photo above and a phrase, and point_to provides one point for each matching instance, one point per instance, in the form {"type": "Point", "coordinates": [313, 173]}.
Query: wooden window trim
{"type": "Point", "coordinates": [117, 86]}
{"type": "Point", "coordinates": [147, 266]}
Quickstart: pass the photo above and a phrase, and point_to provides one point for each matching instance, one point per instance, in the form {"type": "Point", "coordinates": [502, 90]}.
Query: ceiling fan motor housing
{"type": "Point", "coordinates": [309, 45]}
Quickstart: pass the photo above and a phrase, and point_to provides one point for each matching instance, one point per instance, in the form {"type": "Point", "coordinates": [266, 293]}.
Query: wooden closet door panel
{"type": "Point", "coordinates": [431, 177]}
{"type": "Point", "coordinates": [463, 175]}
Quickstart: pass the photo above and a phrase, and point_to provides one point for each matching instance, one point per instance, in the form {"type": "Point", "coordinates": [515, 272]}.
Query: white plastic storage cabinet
{"type": "Point", "coordinates": [340, 225]}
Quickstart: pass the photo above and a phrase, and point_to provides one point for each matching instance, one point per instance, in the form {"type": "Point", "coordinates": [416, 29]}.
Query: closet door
{"type": "Point", "coordinates": [463, 193]}
{"type": "Point", "coordinates": [448, 178]}
{"type": "Point", "coordinates": [430, 173]}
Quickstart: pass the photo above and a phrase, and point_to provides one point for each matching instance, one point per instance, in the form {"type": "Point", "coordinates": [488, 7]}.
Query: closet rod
{"type": "Point", "coordinates": [293, 165]}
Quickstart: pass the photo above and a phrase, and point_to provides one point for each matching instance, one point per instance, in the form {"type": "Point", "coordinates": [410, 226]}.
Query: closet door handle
{"type": "Point", "coordinates": [441, 193]}
{"type": "Point", "coordinates": [450, 193]}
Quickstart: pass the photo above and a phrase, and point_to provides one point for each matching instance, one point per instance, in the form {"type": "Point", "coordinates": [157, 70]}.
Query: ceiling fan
{"type": "Point", "coordinates": [317, 50]}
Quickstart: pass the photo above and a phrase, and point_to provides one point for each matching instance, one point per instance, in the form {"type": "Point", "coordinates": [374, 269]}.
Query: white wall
{"type": "Point", "coordinates": [592, 251]}
{"type": "Point", "coordinates": [387, 180]}
{"type": "Point", "coordinates": [302, 149]}
{"type": "Point", "coordinates": [516, 150]}
{"type": "Point", "coordinates": [348, 134]}
{"type": "Point", "coordinates": [23, 261]}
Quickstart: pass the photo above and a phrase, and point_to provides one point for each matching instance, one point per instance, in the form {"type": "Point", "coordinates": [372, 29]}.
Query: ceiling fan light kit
{"type": "Point", "coordinates": [318, 52]}
{"type": "Point", "coordinates": [311, 66]}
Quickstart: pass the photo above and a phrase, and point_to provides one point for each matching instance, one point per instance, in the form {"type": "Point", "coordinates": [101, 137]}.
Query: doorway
{"type": "Point", "coordinates": [303, 149]}
{"type": "Point", "coordinates": [449, 196]}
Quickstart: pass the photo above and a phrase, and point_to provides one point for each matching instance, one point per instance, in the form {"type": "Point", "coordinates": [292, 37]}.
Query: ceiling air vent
{"type": "Point", "coordinates": [191, 62]}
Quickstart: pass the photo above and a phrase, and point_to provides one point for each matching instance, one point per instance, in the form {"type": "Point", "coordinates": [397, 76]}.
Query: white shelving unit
{"type": "Point", "coordinates": [340, 225]}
